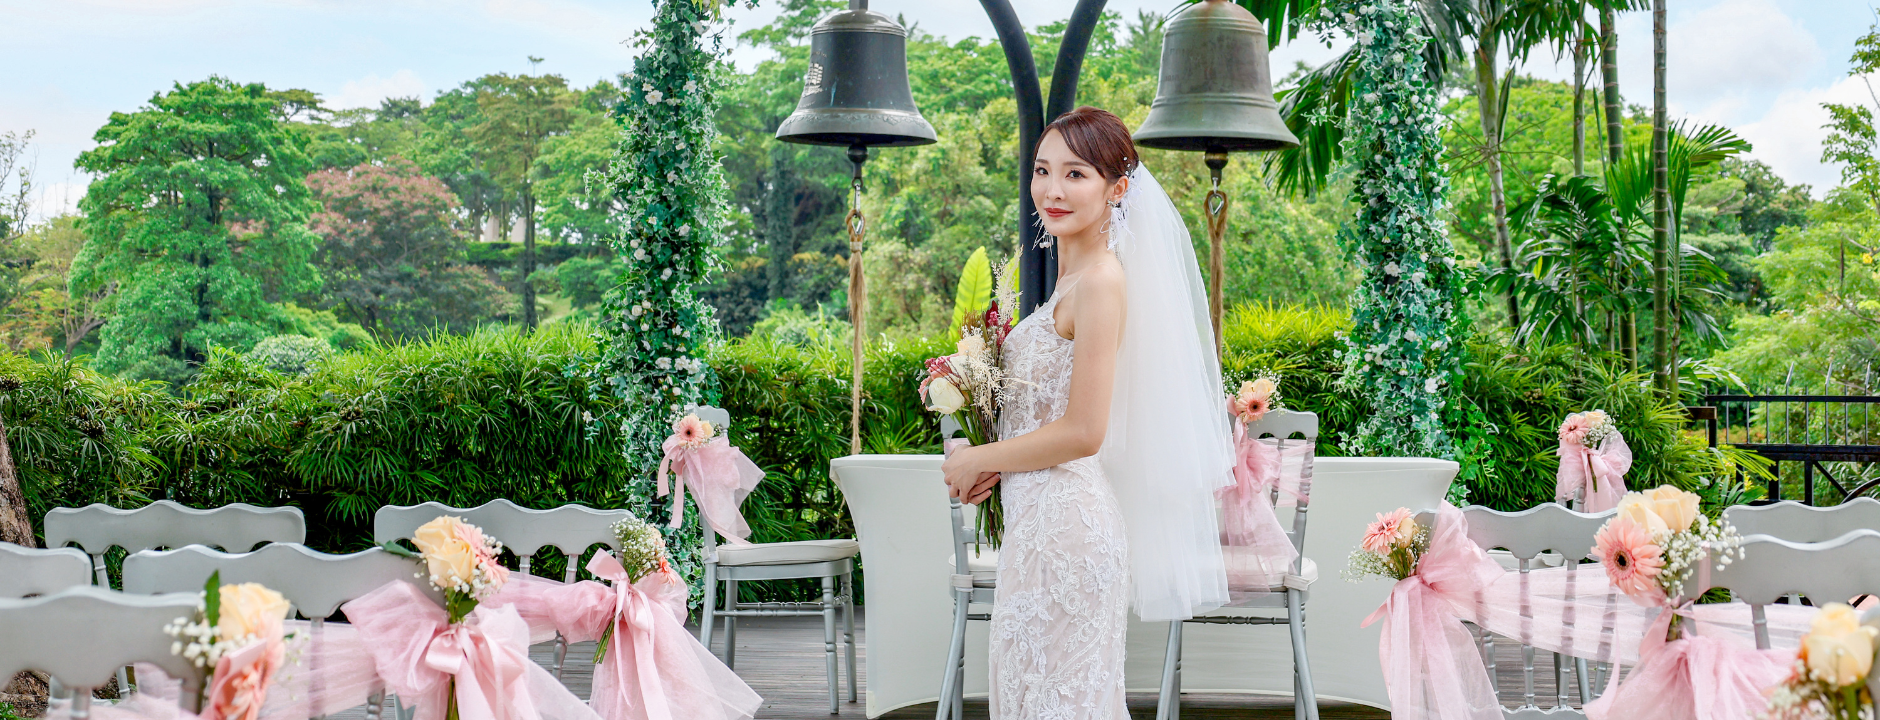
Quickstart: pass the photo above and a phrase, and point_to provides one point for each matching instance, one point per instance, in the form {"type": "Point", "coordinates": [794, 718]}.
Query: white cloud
{"type": "Point", "coordinates": [368, 91]}
{"type": "Point", "coordinates": [58, 198]}
{"type": "Point", "coordinates": [1788, 136]}
{"type": "Point", "coordinates": [1721, 58]}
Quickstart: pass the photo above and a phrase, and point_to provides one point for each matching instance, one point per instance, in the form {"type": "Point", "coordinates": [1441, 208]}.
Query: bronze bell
{"type": "Point", "coordinates": [1215, 93]}
{"type": "Point", "coordinates": [855, 91]}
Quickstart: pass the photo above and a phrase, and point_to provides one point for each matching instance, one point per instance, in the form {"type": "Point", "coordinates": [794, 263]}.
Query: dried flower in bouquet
{"type": "Point", "coordinates": [1255, 399]}
{"type": "Point", "coordinates": [1829, 677]}
{"type": "Point", "coordinates": [1656, 540]}
{"type": "Point", "coordinates": [1391, 547]}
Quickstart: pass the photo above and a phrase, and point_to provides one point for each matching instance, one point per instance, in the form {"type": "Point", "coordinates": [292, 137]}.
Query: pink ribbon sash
{"type": "Point", "coordinates": [654, 669]}
{"type": "Point", "coordinates": [1256, 550]}
{"type": "Point", "coordinates": [483, 661]}
{"type": "Point", "coordinates": [1431, 668]}
{"type": "Point", "coordinates": [720, 476]}
{"type": "Point", "coordinates": [1696, 677]}
{"type": "Point", "coordinates": [1599, 472]}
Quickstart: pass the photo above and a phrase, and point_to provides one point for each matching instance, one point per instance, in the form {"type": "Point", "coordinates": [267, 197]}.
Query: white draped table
{"type": "Point", "coordinates": [899, 506]}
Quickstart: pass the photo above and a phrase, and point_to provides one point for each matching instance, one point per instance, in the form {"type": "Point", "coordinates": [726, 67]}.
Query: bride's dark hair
{"type": "Point", "coordinates": [1099, 138]}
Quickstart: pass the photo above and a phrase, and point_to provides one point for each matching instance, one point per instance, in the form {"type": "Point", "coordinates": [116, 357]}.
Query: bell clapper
{"type": "Point", "coordinates": [1216, 207]}
{"type": "Point", "coordinates": [858, 295]}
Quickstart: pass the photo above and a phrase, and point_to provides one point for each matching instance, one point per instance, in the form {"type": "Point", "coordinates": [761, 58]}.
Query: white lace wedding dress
{"type": "Point", "coordinates": [1064, 575]}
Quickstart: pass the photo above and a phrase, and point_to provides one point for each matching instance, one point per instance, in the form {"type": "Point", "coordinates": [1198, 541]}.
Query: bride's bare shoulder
{"type": "Point", "coordinates": [1104, 278]}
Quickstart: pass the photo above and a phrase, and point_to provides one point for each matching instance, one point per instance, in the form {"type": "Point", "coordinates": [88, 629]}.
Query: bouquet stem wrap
{"type": "Point", "coordinates": [482, 663]}
{"type": "Point", "coordinates": [720, 476]}
{"type": "Point", "coordinates": [653, 668]}
{"type": "Point", "coordinates": [1599, 472]}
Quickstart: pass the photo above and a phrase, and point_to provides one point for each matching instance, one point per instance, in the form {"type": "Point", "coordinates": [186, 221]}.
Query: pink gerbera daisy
{"type": "Point", "coordinates": [1632, 561]}
{"type": "Point", "coordinates": [1381, 536]}
{"type": "Point", "coordinates": [692, 431]}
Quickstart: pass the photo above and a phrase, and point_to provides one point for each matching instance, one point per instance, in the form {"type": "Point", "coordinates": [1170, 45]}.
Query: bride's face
{"type": "Point", "coordinates": [1072, 196]}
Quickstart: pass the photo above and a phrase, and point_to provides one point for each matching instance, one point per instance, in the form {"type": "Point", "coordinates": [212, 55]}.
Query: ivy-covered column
{"type": "Point", "coordinates": [1403, 348]}
{"type": "Point", "coordinates": [671, 191]}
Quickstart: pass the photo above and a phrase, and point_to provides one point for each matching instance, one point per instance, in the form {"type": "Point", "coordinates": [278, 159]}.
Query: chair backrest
{"type": "Point", "coordinates": [82, 635]}
{"type": "Point", "coordinates": [1526, 535]}
{"type": "Point", "coordinates": [717, 416]}
{"type": "Point", "coordinates": [30, 571]}
{"type": "Point", "coordinates": [1796, 522]}
{"type": "Point", "coordinates": [572, 529]}
{"type": "Point", "coordinates": [238, 527]}
{"type": "Point", "coordinates": [1838, 570]}
{"type": "Point", "coordinates": [315, 582]}
{"type": "Point", "coordinates": [1281, 425]}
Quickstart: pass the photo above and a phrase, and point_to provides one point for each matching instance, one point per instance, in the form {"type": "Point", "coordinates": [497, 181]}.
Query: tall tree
{"type": "Point", "coordinates": [388, 250]}
{"type": "Point", "coordinates": [519, 113]}
{"type": "Point", "coordinates": [198, 213]}
{"type": "Point", "coordinates": [16, 524]}
{"type": "Point", "coordinates": [1664, 365]}
{"type": "Point", "coordinates": [1852, 141]}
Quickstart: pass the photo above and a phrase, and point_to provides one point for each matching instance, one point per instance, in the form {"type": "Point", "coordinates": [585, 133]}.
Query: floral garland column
{"type": "Point", "coordinates": [1402, 350]}
{"type": "Point", "coordinates": [671, 193]}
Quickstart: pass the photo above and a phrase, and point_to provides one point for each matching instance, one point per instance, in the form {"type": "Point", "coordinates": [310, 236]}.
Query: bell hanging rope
{"type": "Point", "coordinates": [1215, 95]}
{"type": "Point", "coordinates": [856, 95]}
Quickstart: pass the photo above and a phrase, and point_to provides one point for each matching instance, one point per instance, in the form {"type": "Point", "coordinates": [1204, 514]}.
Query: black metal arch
{"type": "Point", "coordinates": [1037, 267]}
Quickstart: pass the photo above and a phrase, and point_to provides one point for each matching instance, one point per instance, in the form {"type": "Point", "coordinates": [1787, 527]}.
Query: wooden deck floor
{"type": "Point", "coordinates": [782, 660]}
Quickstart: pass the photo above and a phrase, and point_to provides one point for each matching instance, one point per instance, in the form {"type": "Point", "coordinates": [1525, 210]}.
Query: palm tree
{"type": "Point", "coordinates": [1664, 370]}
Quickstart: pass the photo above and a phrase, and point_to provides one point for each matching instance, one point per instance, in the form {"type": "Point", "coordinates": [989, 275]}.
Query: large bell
{"type": "Point", "coordinates": [855, 91]}
{"type": "Point", "coordinates": [1215, 93]}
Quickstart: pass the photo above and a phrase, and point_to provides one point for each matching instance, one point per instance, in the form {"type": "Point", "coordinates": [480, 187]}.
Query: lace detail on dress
{"type": "Point", "coordinates": [1057, 645]}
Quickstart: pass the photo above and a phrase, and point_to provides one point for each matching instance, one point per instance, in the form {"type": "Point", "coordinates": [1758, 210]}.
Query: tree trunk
{"type": "Point", "coordinates": [16, 524]}
{"type": "Point", "coordinates": [1488, 97]}
{"type": "Point", "coordinates": [1609, 75]}
{"type": "Point", "coordinates": [1579, 106]}
{"type": "Point", "coordinates": [1662, 362]}
{"type": "Point", "coordinates": [528, 258]}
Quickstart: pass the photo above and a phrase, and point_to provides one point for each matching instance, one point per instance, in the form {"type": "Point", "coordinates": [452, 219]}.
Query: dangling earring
{"type": "Point", "coordinates": [1045, 239]}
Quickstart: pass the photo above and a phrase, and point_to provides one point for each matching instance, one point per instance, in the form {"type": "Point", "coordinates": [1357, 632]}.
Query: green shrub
{"type": "Point", "coordinates": [290, 354]}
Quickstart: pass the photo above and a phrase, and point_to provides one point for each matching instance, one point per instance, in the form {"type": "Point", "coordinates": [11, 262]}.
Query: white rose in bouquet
{"type": "Point", "coordinates": [943, 397]}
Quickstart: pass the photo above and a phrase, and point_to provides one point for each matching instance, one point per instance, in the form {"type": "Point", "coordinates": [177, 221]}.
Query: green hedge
{"type": "Point", "coordinates": [467, 419]}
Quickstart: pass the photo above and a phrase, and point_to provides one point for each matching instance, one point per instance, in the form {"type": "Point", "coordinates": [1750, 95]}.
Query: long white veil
{"type": "Point", "coordinates": [1168, 447]}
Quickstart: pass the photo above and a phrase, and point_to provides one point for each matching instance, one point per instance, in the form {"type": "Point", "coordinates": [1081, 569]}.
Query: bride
{"type": "Point", "coordinates": [1114, 435]}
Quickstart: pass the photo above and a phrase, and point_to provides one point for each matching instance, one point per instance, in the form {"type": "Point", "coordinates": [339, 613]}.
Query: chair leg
{"type": "Point", "coordinates": [561, 654]}
{"type": "Point", "coordinates": [1168, 705]}
{"type": "Point", "coordinates": [710, 607]}
{"type": "Point", "coordinates": [81, 703]}
{"type": "Point", "coordinates": [375, 705]}
{"type": "Point", "coordinates": [1306, 702]}
{"type": "Point", "coordinates": [731, 624]}
{"type": "Point", "coordinates": [848, 628]}
{"type": "Point", "coordinates": [829, 641]}
{"type": "Point", "coordinates": [1579, 677]}
{"type": "Point", "coordinates": [951, 678]}
{"type": "Point", "coordinates": [959, 688]}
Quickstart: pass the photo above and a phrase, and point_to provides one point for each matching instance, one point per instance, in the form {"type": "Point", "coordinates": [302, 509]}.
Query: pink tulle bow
{"type": "Point", "coordinates": [1431, 668]}
{"type": "Point", "coordinates": [653, 669]}
{"type": "Point", "coordinates": [720, 476]}
{"type": "Point", "coordinates": [1697, 677]}
{"type": "Point", "coordinates": [482, 661]}
{"type": "Point", "coordinates": [1599, 472]}
{"type": "Point", "coordinates": [1257, 552]}
{"type": "Point", "coordinates": [240, 685]}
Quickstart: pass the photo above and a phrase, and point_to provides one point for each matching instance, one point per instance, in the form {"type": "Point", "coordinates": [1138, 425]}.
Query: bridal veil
{"type": "Point", "coordinates": [1168, 447]}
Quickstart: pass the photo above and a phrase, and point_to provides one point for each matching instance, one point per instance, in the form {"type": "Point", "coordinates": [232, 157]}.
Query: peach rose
{"type": "Point", "coordinates": [240, 685]}
{"type": "Point", "coordinates": [1638, 508]}
{"type": "Point", "coordinates": [970, 344]}
{"type": "Point", "coordinates": [449, 556]}
{"type": "Point", "coordinates": [250, 610]}
{"type": "Point", "coordinates": [1676, 507]}
{"type": "Point", "coordinates": [1838, 650]}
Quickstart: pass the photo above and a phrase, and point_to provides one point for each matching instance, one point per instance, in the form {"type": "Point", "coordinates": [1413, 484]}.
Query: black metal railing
{"type": "Point", "coordinates": [1812, 430]}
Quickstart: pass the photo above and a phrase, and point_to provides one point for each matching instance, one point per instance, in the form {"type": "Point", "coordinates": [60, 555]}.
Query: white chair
{"type": "Point", "coordinates": [975, 581]}
{"type": "Point", "coordinates": [1528, 535]}
{"type": "Point", "coordinates": [1771, 568]}
{"type": "Point", "coordinates": [1289, 597]}
{"type": "Point", "coordinates": [1796, 522]}
{"type": "Point", "coordinates": [238, 527]}
{"type": "Point", "coordinates": [828, 560]}
{"type": "Point", "coordinates": [82, 635]}
{"type": "Point", "coordinates": [25, 571]}
{"type": "Point", "coordinates": [314, 582]}
{"type": "Point", "coordinates": [572, 529]}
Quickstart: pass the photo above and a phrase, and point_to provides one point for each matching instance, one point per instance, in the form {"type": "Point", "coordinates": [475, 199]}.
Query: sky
{"type": "Point", "coordinates": [1762, 67]}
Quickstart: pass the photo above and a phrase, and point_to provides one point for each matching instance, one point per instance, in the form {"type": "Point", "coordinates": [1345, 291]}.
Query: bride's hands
{"type": "Point", "coordinates": [965, 479]}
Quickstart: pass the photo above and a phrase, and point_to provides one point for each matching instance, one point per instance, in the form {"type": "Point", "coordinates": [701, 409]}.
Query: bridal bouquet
{"type": "Point", "coordinates": [1656, 541]}
{"type": "Point", "coordinates": [1256, 398]}
{"type": "Point", "coordinates": [460, 560]}
{"type": "Point", "coordinates": [970, 385]}
{"type": "Point", "coordinates": [642, 553]}
{"type": "Point", "coordinates": [1391, 547]}
{"type": "Point", "coordinates": [236, 634]}
{"type": "Point", "coordinates": [1593, 461]}
{"type": "Point", "coordinates": [1829, 678]}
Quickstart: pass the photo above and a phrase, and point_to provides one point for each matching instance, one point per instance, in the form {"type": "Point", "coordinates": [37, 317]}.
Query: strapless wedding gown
{"type": "Point", "coordinates": [1063, 597]}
